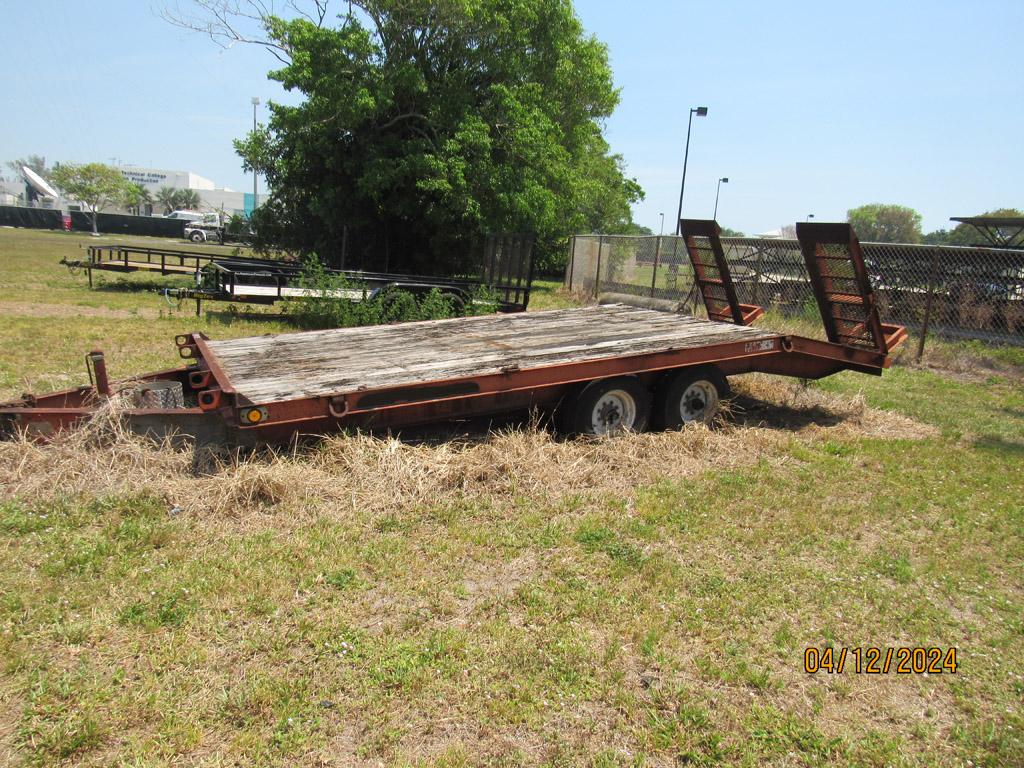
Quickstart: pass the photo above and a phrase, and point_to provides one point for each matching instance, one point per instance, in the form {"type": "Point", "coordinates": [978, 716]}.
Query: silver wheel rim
{"type": "Point", "coordinates": [613, 412]}
{"type": "Point", "coordinates": [699, 402]}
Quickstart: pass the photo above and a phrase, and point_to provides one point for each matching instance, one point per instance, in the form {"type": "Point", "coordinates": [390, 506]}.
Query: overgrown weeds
{"type": "Point", "coordinates": [379, 473]}
{"type": "Point", "coordinates": [332, 300]}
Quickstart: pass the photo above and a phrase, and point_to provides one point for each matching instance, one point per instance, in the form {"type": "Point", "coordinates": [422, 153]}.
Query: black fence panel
{"type": "Point", "coordinates": [123, 224]}
{"type": "Point", "coordinates": [33, 218]}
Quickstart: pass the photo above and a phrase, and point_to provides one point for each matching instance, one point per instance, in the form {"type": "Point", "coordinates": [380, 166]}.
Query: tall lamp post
{"type": "Point", "coordinates": [700, 112]}
{"type": "Point", "coordinates": [662, 231]}
{"type": "Point", "coordinates": [255, 103]}
{"type": "Point", "coordinates": [721, 181]}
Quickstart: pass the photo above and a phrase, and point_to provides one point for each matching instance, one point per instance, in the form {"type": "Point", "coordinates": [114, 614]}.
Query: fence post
{"type": "Point", "coordinates": [758, 270]}
{"type": "Point", "coordinates": [572, 261]}
{"type": "Point", "coordinates": [344, 246]}
{"type": "Point", "coordinates": [657, 258]}
{"type": "Point", "coordinates": [597, 275]}
{"type": "Point", "coordinates": [928, 303]}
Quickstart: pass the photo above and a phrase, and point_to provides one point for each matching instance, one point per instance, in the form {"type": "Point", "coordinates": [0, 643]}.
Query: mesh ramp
{"type": "Point", "coordinates": [842, 287]}
{"type": "Point", "coordinates": [711, 273]}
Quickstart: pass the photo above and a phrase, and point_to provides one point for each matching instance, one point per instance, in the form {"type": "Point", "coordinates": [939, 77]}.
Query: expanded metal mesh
{"type": "Point", "coordinates": [966, 293]}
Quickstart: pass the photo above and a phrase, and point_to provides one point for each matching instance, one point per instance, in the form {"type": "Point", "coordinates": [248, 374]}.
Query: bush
{"type": "Point", "coordinates": [326, 304]}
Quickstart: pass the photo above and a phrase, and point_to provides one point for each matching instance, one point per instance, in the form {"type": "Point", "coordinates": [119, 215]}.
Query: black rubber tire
{"type": "Point", "coordinates": [580, 409]}
{"type": "Point", "coordinates": [667, 412]}
{"type": "Point", "coordinates": [197, 237]}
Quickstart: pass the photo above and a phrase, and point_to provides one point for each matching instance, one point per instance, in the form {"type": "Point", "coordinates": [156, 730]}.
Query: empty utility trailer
{"type": "Point", "coordinates": [604, 368]}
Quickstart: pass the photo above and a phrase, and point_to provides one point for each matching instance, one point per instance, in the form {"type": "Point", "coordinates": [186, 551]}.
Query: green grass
{"type": "Point", "coordinates": [51, 318]}
{"type": "Point", "coordinates": [665, 625]}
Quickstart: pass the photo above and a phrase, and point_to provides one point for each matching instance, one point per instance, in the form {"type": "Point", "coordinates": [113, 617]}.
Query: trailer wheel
{"type": "Point", "coordinates": [690, 396]}
{"type": "Point", "coordinates": [611, 406]}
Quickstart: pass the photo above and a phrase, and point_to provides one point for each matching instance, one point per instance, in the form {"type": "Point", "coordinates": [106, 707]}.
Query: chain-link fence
{"type": "Point", "coordinates": [957, 293]}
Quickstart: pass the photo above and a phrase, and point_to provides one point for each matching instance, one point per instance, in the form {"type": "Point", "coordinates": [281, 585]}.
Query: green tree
{"type": "Point", "coordinates": [136, 197]}
{"type": "Point", "coordinates": [880, 223]}
{"type": "Point", "coordinates": [965, 234]}
{"type": "Point", "coordinates": [938, 237]}
{"type": "Point", "coordinates": [187, 199]}
{"type": "Point", "coordinates": [165, 197]}
{"type": "Point", "coordinates": [96, 185]}
{"type": "Point", "coordinates": [426, 124]}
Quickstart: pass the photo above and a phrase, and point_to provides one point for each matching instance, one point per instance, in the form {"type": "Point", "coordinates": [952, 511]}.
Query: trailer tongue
{"type": "Point", "coordinates": [605, 368]}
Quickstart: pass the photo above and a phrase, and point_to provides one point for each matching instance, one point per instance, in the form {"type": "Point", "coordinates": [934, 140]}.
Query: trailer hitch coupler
{"type": "Point", "coordinates": [97, 366]}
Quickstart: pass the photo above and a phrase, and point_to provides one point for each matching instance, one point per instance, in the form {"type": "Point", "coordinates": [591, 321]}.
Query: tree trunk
{"type": "Point", "coordinates": [95, 231]}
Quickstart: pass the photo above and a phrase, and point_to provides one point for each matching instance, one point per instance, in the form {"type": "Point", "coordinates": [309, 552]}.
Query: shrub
{"type": "Point", "coordinates": [326, 304]}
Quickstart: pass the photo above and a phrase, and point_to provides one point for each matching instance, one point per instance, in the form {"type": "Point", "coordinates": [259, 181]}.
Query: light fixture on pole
{"type": "Point", "coordinates": [255, 103]}
{"type": "Point", "coordinates": [700, 112]}
{"type": "Point", "coordinates": [662, 231]}
{"type": "Point", "coordinates": [810, 216]}
{"type": "Point", "coordinates": [718, 189]}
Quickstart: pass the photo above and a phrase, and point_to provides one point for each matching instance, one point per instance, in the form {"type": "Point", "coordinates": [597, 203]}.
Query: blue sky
{"type": "Point", "coordinates": [815, 107]}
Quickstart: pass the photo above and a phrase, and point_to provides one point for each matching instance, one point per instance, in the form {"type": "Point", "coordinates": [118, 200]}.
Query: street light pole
{"type": "Point", "coordinates": [255, 103]}
{"type": "Point", "coordinates": [723, 180]}
{"type": "Point", "coordinates": [701, 112]}
{"type": "Point", "coordinates": [662, 231]}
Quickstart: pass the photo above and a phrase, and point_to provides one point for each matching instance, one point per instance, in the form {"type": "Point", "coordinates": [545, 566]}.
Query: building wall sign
{"type": "Point", "coordinates": [144, 177]}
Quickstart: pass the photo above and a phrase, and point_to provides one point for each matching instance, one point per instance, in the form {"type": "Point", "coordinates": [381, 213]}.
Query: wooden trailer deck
{"type": "Point", "coordinates": [292, 366]}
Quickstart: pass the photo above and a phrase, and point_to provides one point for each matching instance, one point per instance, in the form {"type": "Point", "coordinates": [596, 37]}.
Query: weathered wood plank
{"type": "Point", "coordinates": [292, 366]}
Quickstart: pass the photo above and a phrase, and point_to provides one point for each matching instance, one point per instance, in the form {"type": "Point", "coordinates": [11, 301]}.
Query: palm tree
{"type": "Point", "coordinates": [137, 197]}
{"type": "Point", "coordinates": [188, 199]}
{"type": "Point", "coordinates": [168, 198]}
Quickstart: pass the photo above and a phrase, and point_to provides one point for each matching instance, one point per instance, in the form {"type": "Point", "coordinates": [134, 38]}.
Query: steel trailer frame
{"type": "Point", "coordinates": [218, 411]}
{"type": "Point", "coordinates": [506, 268]}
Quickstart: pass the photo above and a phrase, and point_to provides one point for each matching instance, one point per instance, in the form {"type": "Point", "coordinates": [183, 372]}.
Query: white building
{"type": "Point", "coordinates": [213, 198]}
{"type": "Point", "coordinates": [154, 178]}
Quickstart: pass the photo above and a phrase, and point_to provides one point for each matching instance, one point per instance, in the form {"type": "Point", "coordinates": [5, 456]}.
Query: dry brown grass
{"type": "Point", "coordinates": [379, 473]}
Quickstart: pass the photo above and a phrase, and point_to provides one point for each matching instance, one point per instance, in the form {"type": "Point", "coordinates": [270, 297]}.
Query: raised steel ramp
{"type": "Point", "coordinates": [842, 287]}
{"type": "Point", "coordinates": [711, 273]}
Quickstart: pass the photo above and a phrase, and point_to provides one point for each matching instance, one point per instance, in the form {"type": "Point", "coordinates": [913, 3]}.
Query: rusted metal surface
{"type": "Point", "coordinates": [841, 285]}
{"type": "Point", "coordinates": [227, 418]}
{"type": "Point", "coordinates": [97, 366]}
{"type": "Point", "coordinates": [711, 273]}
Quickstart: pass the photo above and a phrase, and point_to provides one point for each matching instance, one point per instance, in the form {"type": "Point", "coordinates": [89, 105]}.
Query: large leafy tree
{"type": "Point", "coordinates": [96, 185]}
{"type": "Point", "coordinates": [879, 223]}
{"type": "Point", "coordinates": [427, 123]}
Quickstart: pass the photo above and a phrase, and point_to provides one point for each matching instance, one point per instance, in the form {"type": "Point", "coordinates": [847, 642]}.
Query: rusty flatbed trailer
{"type": "Point", "coordinates": [603, 368]}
